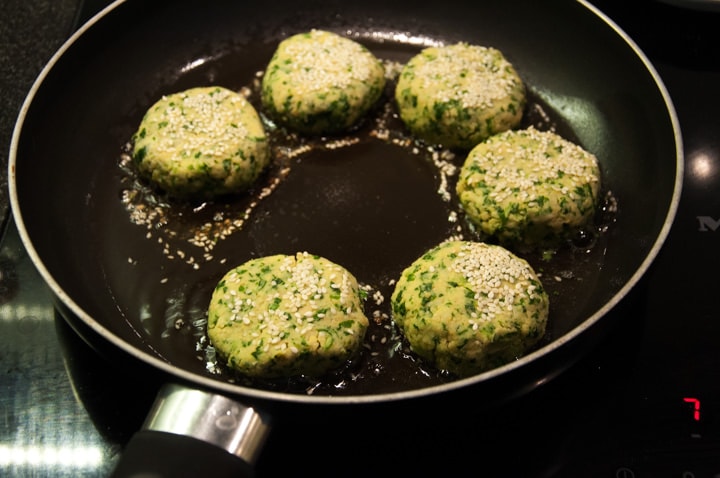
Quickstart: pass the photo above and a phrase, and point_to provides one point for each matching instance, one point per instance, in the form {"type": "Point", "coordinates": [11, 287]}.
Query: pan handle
{"type": "Point", "coordinates": [190, 432]}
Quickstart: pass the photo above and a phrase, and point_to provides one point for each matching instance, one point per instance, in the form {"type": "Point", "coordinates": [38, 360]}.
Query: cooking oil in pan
{"type": "Point", "coordinates": [372, 200]}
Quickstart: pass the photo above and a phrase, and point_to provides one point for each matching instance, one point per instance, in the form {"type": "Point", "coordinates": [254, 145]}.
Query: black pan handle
{"type": "Point", "coordinates": [190, 432]}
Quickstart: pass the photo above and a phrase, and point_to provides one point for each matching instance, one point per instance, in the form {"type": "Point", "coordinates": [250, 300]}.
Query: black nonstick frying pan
{"type": "Point", "coordinates": [133, 271]}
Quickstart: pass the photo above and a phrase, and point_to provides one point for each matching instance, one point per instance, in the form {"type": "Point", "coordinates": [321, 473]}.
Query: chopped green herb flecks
{"type": "Point", "coordinates": [459, 95]}
{"type": "Point", "coordinates": [319, 82]}
{"type": "Point", "coordinates": [483, 307]}
{"type": "Point", "coordinates": [529, 188]}
{"type": "Point", "coordinates": [186, 140]}
{"type": "Point", "coordinates": [280, 316]}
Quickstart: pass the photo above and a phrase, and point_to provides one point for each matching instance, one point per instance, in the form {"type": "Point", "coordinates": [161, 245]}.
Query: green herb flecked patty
{"type": "Point", "coordinates": [467, 307]}
{"type": "Point", "coordinates": [460, 94]}
{"type": "Point", "coordinates": [320, 82]}
{"type": "Point", "coordinates": [529, 187]}
{"type": "Point", "coordinates": [285, 315]}
{"type": "Point", "coordinates": [203, 142]}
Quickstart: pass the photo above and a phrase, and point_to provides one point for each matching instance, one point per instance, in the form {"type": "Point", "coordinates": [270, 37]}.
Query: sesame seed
{"type": "Point", "coordinates": [495, 275]}
{"type": "Point", "coordinates": [324, 61]}
{"type": "Point", "coordinates": [517, 167]}
{"type": "Point", "coordinates": [214, 124]}
{"type": "Point", "coordinates": [476, 75]}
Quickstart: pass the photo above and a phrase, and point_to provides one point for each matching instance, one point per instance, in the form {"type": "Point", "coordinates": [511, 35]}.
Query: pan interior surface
{"type": "Point", "coordinates": [139, 268]}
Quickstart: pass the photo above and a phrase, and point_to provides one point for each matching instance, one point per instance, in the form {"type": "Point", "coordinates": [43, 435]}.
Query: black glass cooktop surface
{"type": "Point", "coordinates": [645, 402]}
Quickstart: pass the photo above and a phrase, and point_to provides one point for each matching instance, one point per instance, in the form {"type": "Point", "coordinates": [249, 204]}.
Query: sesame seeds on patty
{"type": "Point", "coordinates": [286, 315]}
{"type": "Point", "coordinates": [458, 95]}
{"type": "Point", "coordinates": [201, 142]}
{"type": "Point", "coordinates": [466, 307]}
{"type": "Point", "coordinates": [529, 188]}
{"type": "Point", "coordinates": [319, 82]}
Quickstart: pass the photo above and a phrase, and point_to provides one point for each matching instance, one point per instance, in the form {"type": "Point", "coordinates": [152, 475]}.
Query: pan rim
{"type": "Point", "coordinates": [238, 390]}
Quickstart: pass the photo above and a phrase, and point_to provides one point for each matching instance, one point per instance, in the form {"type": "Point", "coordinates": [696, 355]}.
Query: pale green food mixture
{"type": "Point", "coordinates": [203, 142]}
{"type": "Point", "coordinates": [529, 188]}
{"type": "Point", "coordinates": [319, 82]}
{"type": "Point", "coordinates": [285, 315]}
{"type": "Point", "coordinates": [458, 95]}
{"type": "Point", "coordinates": [467, 307]}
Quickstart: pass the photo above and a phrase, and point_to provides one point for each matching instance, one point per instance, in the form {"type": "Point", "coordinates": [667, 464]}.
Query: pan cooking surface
{"type": "Point", "coordinates": [372, 200]}
{"type": "Point", "coordinates": [139, 269]}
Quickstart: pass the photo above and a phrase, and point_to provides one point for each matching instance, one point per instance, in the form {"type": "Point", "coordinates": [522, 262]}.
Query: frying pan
{"type": "Point", "coordinates": [132, 271]}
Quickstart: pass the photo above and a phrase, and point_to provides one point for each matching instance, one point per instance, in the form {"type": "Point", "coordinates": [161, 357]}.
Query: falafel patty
{"type": "Point", "coordinates": [286, 315]}
{"type": "Point", "coordinates": [320, 82]}
{"type": "Point", "coordinates": [529, 188]}
{"type": "Point", "coordinates": [202, 142]}
{"type": "Point", "coordinates": [467, 307]}
{"type": "Point", "coordinates": [458, 95]}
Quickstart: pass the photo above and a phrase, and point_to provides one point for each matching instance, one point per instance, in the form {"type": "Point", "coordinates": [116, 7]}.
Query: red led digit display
{"type": "Point", "coordinates": [696, 407]}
